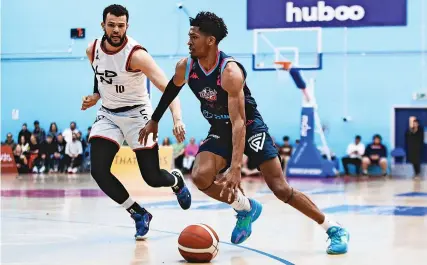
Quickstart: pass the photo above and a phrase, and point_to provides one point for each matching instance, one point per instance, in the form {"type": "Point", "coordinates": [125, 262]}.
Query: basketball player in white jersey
{"type": "Point", "coordinates": [121, 67]}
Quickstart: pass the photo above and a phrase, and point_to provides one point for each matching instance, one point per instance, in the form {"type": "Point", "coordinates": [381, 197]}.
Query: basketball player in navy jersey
{"type": "Point", "coordinates": [121, 69]}
{"type": "Point", "coordinates": [218, 81]}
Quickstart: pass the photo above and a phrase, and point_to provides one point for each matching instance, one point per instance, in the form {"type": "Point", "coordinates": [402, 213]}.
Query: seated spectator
{"type": "Point", "coordinates": [73, 154]}
{"type": "Point", "coordinates": [354, 155]}
{"type": "Point", "coordinates": [20, 160]}
{"type": "Point", "coordinates": [190, 153]}
{"type": "Point", "coordinates": [40, 164]}
{"type": "Point", "coordinates": [9, 141]}
{"type": "Point", "coordinates": [375, 154]}
{"type": "Point", "coordinates": [53, 130]}
{"type": "Point", "coordinates": [24, 132]}
{"type": "Point", "coordinates": [34, 145]}
{"type": "Point", "coordinates": [24, 144]}
{"type": "Point", "coordinates": [39, 133]}
{"type": "Point", "coordinates": [285, 151]}
{"type": "Point", "coordinates": [68, 133]}
{"type": "Point", "coordinates": [58, 159]}
{"type": "Point", "coordinates": [49, 148]}
{"type": "Point", "coordinates": [34, 151]}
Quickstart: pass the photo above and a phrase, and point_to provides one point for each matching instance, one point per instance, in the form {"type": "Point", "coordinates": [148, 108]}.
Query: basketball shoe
{"type": "Point", "coordinates": [339, 240]}
{"type": "Point", "coordinates": [142, 224]}
{"type": "Point", "coordinates": [182, 193]}
{"type": "Point", "coordinates": [243, 228]}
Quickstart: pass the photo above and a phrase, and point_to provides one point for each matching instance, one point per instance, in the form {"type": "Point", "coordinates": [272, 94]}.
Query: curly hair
{"type": "Point", "coordinates": [116, 10]}
{"type": "Point", "coordinates": [210, 24]}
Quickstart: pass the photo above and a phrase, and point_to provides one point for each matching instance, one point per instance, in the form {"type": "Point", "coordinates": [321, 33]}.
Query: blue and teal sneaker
{"type": "Point", "coordinates": [182, 193]}
{"type": "Point", "coordinates": [339, 240]}
{"type": "Point", "coordinates": [243, 228]}
{"type": "Point", "coordinates": [142, 224]}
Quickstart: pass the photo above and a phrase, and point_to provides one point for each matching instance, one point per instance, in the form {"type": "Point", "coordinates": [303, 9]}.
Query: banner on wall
{"type": "Point", "coordinates": [7, 160]}
{"type": "Point", "coordinates": [125, 164]}
{"type": "Point", "coordinates": [326, 13]}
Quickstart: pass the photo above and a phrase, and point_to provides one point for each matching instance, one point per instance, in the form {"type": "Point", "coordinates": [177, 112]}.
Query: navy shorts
{"type": "Point", "coordinates": [259, 146]}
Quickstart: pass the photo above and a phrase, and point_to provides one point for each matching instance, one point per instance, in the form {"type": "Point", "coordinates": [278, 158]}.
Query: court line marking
{"type": "Point", "coordinates": [59, 239]}
{"type": "Point", "coordinates": [268, 255]}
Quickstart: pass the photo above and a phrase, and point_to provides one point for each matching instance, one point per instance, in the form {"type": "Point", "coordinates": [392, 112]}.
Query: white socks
{"type": "Point", "coordinates": [241, 203]}
{"type": "Point", "coordinates": [128, 203]}
{"type": "Point", "coordinates": [328, 224]}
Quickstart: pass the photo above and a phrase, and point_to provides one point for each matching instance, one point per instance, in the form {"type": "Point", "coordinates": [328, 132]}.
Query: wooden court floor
{"type": "Point", "coordinates": [66, 219]}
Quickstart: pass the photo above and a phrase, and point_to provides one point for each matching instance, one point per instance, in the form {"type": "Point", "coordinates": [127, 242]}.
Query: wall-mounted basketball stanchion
{"type": "Point", "coordinates": [307, 160]}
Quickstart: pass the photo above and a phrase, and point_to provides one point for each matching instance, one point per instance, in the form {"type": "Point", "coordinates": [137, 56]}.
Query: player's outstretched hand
{"type": "Point", "coordinates": [151, 127]}
{"type": "Point", "coordinates": [230, 182]}
{"type": "Point", "coordinates": [89, 101]}
{"type": "Point", "coordinates": [179, 131]}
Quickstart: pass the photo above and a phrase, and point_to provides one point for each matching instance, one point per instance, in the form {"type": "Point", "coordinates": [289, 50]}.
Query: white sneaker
{"type": "Point", "coordinates": [42, 169]}
{"type": "Point", "coordinates": [74, 170]}
{"type": "Point", "coordinates": [35, 170]}
{"type": "Point", "coordinates": [70, 170]}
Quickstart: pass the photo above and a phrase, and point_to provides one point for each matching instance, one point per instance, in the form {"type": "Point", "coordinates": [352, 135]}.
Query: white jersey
{"type": "Point", "coordinates": [117, 84]}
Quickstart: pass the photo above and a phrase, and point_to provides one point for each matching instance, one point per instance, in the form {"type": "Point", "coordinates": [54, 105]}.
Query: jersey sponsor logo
{"type": "Point", "coordinates": [256, 142]}
{"type": "Point", "coordinates": [304, 125]}
{"type": "Point", "coordinates": [323, 12]}
{"type": "Point", "coordinates": [209, 94]}
{"type": "Point", "coordinates": [194, 76]}
{"type": "Point", "coordinates": [97, 54]}
{"type": "Point", "coordinates": [213, 136]}
{"type": "Point", "coordinates": [106, 76]}
{"type": "Point", "coordinates": [209, 115]}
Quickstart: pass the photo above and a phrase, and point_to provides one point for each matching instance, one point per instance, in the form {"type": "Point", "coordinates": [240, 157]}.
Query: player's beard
{"type": "Point", "coordinates": [110, 41]}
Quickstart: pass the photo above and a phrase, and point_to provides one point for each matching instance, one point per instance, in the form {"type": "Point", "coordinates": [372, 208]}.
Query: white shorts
{"type": "Point", "coordinates": [121, 126]}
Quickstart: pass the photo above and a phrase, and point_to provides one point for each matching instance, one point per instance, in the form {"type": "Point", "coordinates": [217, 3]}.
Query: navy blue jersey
{"type": "Point", "coordinates": [213, 98]}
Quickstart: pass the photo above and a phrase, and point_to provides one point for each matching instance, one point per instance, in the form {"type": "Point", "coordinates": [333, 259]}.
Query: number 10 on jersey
{"type": "Point", "coordinates": [120, 89]}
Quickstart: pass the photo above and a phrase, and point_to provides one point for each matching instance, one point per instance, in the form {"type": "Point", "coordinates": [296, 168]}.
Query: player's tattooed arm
{"type": "Point", "coordinates": [141, 60]}
{"type": "Point", "coordinates": [91, 100]}
{"type": "Point", "coordinates": [232, 81]}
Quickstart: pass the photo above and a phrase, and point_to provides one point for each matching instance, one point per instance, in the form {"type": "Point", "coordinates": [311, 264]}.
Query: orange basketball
{"type": "Point", "coordinates": [198, 243]}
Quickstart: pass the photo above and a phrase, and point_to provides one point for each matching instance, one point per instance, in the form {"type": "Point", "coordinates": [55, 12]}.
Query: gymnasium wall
{"type": "Point", "coordinates": [45, 82]}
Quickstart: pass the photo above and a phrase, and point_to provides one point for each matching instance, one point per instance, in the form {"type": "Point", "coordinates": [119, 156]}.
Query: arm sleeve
{"type": "Point", "coordinates": [168, 96]}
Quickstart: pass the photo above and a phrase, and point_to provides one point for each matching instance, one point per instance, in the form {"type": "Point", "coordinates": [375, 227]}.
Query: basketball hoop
{"type": "Point", "coordinates": [284, 64]}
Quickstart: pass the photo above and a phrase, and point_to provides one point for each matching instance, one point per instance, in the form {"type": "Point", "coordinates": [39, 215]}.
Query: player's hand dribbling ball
{"type": "Point", "coordinates": [198, 243]}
